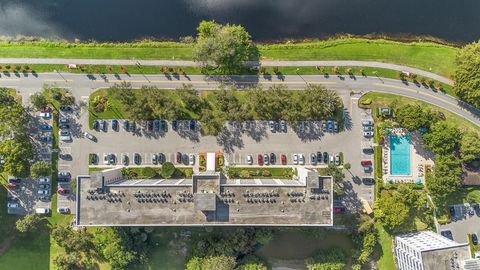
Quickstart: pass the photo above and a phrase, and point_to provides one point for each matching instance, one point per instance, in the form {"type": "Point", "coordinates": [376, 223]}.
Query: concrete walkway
{"type": "Point", "coordinates": [125, 62]}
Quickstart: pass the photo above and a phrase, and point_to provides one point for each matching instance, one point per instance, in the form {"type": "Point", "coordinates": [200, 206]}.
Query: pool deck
{"type": "Point", "coordinates": [419, 159]}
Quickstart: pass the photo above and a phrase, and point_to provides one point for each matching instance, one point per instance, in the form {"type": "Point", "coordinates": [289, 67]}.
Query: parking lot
{"type": "Point", "coordinates": [237, 142]}
{"type": "Point", "coordinates": [465, 221]}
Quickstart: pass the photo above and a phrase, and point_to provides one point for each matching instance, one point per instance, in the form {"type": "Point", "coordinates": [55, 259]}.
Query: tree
{"type": "Point", "coordinates": [16, 152]}
{"type": "Point", "coordinates": [470, 147]}
{"type": "Point", "coordinates": [28, 223]}
{"type": "Point", "coordinates": [223, 47]}
{"type": "Point", "coordinates": [336, 173]}
{"type": "Point", "coordinates": [316, 102]}
{"type": "Point", "coordinates": [347, 166]}
{"type": "Point", "coordinates": [445, 178]}
{"type": "Point", "coordinates": [68, 261]}
{"type": "Point", "coordinates": [467, 74]}
{"type": "Point", "coordinates": [221, 262]}
{"type": "Point", "coordinates": [443, 138]}
{"type": "Point", "coordinates": [331, 259]}
{"type": "Point", "coordinates": [123, 92]}
{"type": "Point", "coordinates": [168, 169]}
{"type": "Point", "coordinates": [392, 211]}
{"type": "Point", "coordinates": [40, 168]}
{"type": "Point", "coordinates": [212, 122]}
{"type": "Point", "coordinates": [39, 101]}
{"type": "Point", "coordinates": [413, 117]}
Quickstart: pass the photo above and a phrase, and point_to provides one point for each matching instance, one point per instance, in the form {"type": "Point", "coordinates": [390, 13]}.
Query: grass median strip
{"type": "Point", "coordinates": [260, 172]}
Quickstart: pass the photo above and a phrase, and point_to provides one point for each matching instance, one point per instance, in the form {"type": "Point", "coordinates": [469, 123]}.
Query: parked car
{"type": "Point", "coordinates": [125, 160]}
{"type": "Point", "coordinates": [45, 127]}
{"type": "Point", "coordinates": [65, 108]}
{"type": "Point", "coordinates": [324, 126]}
{"type": "Point", "coordinates": [45, 115]}
{"type": "Point", "coordinates": [65, 156]}
{"type": "Point", "coordinates": [163, 125]}
{"type": "Point", "coordinates": [103, 125]}
{"type": "Point", "coordinates": [95, 124]}
{"type": "Point", "coordinates": [63, 210]}
{"type": "Point", "coordinates": [126, 125]}
{"type": "Point", "coordinates": [367, 122]}
{"type": "Point", "coordinates": [266, 159]}
{"type": "Point", "coordinates": [368, 181]}
{"type": "Point", "coordinates": [474, 239]}
{"type": "Point", "coordinates": [271, 124]}
{"type": "Point", "coordinates": [44, 198]}
{"type": "Point", "coordinates": [338, 209]}
{"type": "Point", "coordinates": [174, 125]}
{"type": "Point", "coordinates": [337, 159]}
{"type": "Point", "coordinates": [330, 126]}
{"type": "Point", "coordinates": [192, 124]}
{"type": "Point", "coordinates": [46, 109]}
{"type": "Point", "coordinates": [332, 159]}
{"type": "Point", "coordinates": [137, 159]}
{"type": "Point", "coordinates": [156, 125]}
{"type": "Point", "coordinates": [93, 158]}
{"type": "Point", "coordinates": [366, 163]}
{"type": "Point", "coordinates": [64, 174]}
{"type": "Point", "coordinates": [319, 157]}
{"type": "Point", "coordinates": [12, 205]}
{"type": "Point", "coordinates": [301, 159]}
{"type": "Point", "coordinates": [273, 158]}
{"type": "Point", "coordinates": [46, 139]}
{"type": "Point", "coordinates": [185, 159]}
{"type": "Point", "coordinates": [161, 158]}
{"type": "Point", "coordinates": [367, 134]}
{"type": "Point", "coordinates": [44, 180]}
{"type": "Point", "coordinates": [313, 159]}
{"type": "Point", "coordinates": [283, 157]}
{"type": "Point", "coordinates": [154, 159]}
{"type": "Point", "coordinates": [283, 126]}
{"type": "Point", "coordinates": [295, 159]}
{"type": "Point", "coordinates": [191, 159]}
{"type": "Point", "coordinates": [325, 157]}
{"type": "Point", "coordinates": [367, 169]}
{"type": "Point", "coordinates": [367, 128]}
{"type": "Point", "coordinates": [133, 127]}
{"type": "Point", "coordinates": [109, 159]}
{"type": "Point", "coordinates": [149, 125]}
{"type": "Point", "coordinates": [44, 186]}
{"type": "Point", "coordinates": [249, 160]}
{"type": "Point", "coordinates": [447, 234]}
{"type": "Point", "coordinates": [64, 126]}
{"type": "Point", "coordinates": [335, 126]}
{"type": "Point", "coordinates": [63, 120]}
{"type": "Point", "coordinates": [43, 192]}
{"type": "Point", "coordinates": [42, 211]}
{"type": "Point", "coordinates": [115, 124]}
{"type": "Point", "coordinates": [90, 136]}
{"type": "Point", "coordinates": [11, 186]}
{"type": "Point", "coordinates": [13, 180]}
{"type": "Point", "coordinates": [260, 159]}
{"type": "Point", "coordinates": [65, 136]}
{"type": "Point", "coordinates": [179, 157]}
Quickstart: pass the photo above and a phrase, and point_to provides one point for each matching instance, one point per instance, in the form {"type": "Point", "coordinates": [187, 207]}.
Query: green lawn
{"type": "Point", "coordinates": [384, 252]}
{"type": "Point", "coordinates": [256, 172]}
{"type": "Point", "coordinates": [432, 57]}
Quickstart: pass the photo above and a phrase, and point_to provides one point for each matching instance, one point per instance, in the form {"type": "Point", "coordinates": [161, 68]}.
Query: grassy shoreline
{"type": "Point", "coordinates": [429, 56]}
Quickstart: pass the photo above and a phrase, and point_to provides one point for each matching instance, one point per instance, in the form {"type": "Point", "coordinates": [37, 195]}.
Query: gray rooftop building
{"type": "Point", "coordinates": [108, 199]}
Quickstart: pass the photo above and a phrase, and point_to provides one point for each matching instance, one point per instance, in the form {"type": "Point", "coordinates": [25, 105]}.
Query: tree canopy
{"type": "Point", "coordinates": [223, 47]}
{"type": "Point", "coordinates": [443, 138]}
{"type": "Point", "coordinates": [470, 147]}
{"type": "Point", "coordinates": [28, 223]}
{"type": "Point", "coordinates": [40, 168]}
{"type": "Point", "coordinates": [413, 117]}
{"type": "Point", "coordinates": [467, 74]}
{"type": "Point", "coordinates": [445, 178]}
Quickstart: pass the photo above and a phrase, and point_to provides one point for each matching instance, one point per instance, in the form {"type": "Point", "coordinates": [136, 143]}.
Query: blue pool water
{"type": "Point", "coordinates": [399, 155]}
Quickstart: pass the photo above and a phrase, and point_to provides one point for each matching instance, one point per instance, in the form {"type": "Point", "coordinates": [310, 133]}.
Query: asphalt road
{"type": "Point", "coordinates": [83, 85]}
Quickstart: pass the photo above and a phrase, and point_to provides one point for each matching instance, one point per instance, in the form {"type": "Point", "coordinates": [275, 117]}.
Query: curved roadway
{"type": "Point", "coordinates": [83, 85]}
{"type": "Point", "coordinates": [126, 62]}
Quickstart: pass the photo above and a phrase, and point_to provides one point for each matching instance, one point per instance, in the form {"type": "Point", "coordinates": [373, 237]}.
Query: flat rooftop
{"type": "Point", "coordinates": [205, 199]}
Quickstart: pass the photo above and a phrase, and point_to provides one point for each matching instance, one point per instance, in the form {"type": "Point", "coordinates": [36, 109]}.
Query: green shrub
{"type": "Point", "coordinates": [220, 161]}
{"type": "Point", "coordinates": [244, 174]}
{"type": "Point", "coordinates": [266, 173]}
{"type": "Point", "coordinates": [366, 101]}
{"type": "Point", "coordinates": [167, 170]}
{"type": "Point", "coordinates": [148, 172]}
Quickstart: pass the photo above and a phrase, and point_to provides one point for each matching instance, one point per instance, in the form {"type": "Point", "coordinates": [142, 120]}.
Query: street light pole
{"type": "Point", "coordinates": [296, 71]}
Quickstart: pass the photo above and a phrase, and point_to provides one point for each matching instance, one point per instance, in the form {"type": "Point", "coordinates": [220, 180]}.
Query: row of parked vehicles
{"type": "Point", "coordinates": [367, 128]}
{"type": "Point", "coordinates": [297, 159]}
{"type": "Point", "coordinates": [156, 159]}
{"type": "Point", "coordinates": [156, 125]}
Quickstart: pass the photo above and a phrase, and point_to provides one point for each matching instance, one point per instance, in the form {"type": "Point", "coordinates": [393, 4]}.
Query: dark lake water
{"type": "Point", "coordinates": [123, 20]}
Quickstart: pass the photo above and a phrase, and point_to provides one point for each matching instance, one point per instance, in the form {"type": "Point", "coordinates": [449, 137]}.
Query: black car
{"type": "Point", "coordinates": [156, 125]}
{"type": "Point", "coordinates": [174, 125]}
{"type": "Point", "coordinates": [14, 180]}
{"type": "Point", "coordinates": [149, 125]}
{"type": "Point", "coordinates": [65, 108]}
{"type": "Point", "coordinates": [137, 159]}
{"type": "Point", "coordinates": [368, 181]}
{"type": "Point", "coordinates": [163, 125]}
{"type": "Point", "coordinates": [44, 198]}
{"type": "Point", "coordinates": [319, 157]}
{"type": "Point", "coordinates": [125, 160]}
{"type": "Point", "coordinates": [65, 156]}
{"type": "Point", "coordinates": [115, 124]}
{"type": "Point", "coordinates": [93, 158]}
{"type": "Point", "coordinates": [161, 158]}
{"type": "Point", "coordinates": [133, 127]}
{"type": "Point", "coordinates": [64, 126]}
{"type": "Point", "coordinates": [272, 158]}
{"type": "Point", "coordinates": [325, 157]}
{"type": "Point", "coordinates": [126, 125]}
{"type": "Point", "coordinates": [95, 124]}
{"type": "Point", "coordinates": [452, 211]}
{"type": "Point", "coordinates": [192, 124]}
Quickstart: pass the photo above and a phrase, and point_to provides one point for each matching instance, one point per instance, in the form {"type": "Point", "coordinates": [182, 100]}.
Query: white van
{"type": "Point", "coordinates": [42, 211]}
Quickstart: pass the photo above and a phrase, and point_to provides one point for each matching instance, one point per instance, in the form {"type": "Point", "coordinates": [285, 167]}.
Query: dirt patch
{"type": "Point", "coordinates": [5, 245]}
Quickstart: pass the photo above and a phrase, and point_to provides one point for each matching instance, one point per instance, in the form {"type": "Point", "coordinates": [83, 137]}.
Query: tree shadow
{"type": "Point", "coordinates": [255, 129]}
{"type": "Point", "coordinates": [347, 119]}
{"type": "Point", "coordinates": [230, 139]}
{"type": "Point", "coordinates": [308, 130]}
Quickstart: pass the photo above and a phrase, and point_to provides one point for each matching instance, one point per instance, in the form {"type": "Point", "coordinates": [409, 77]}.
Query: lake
{"type": "Point", "coordinates": [124, 20]}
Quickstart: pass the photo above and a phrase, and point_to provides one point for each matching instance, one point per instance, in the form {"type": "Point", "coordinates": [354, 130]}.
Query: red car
{"type": "Point", "coordinates": [46, 109]}
{"type": "Point", "coordinates": [366, 163]}
{"type": "Point", "coordinates": [338, 209]}
{"type": "Point", "coordinates": [260, 159]}
{"type": "Point", "coordinates": [63, 191]}
{"type": "Point", "coordinates": [284, 159]}
{"type": "Point", "coordinates": [12, 186]}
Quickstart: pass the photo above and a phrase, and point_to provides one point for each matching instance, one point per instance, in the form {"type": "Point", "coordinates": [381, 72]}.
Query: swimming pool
{"type": "Point", "coordinates": [399, 155]}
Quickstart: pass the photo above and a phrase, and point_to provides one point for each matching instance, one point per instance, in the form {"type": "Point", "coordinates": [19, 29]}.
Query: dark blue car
{"type": "Point", "coordinates": [192, 124]}
{"type": "Point", "coordinates": [45, 127]}
{"type": "Point", "coordinates": [330, 125]}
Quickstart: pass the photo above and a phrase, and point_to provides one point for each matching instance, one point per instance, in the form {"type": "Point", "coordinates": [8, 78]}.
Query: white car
{"type": "Point", "coordinates": [89, 136]}
{"type": "Point", "coordinates": [295, 159]}
{"type": "Point", "coordinates": [337, 159]}
{"type": "Point", "coordinates": [331, 159]}
{"type": "Point", "coordinates": [367, 134]}
{"type": "Point", "coordinates": [63, 210]}
{"type": "Point", "coordinates": [301, 159]}
{"type": "Point", "coordinates": [45, 115]}
{"type": "Point", "coordinates": [65, 136]}
{"type": "Point", "coordinates": [249, 160]}
{"type": "Point", "coordinates": [191, 159]}
{"type": "Point", "coordinates": [44, 180]}
{"type": "Point", "coordinates": [42, 211]}
{"type": "Point", "coordinates": [367, 123]}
